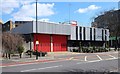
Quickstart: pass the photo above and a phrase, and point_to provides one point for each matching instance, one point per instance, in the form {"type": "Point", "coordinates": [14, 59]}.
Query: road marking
{"type": "Point", "coordinates": [112, 56]}
{"type": "Point", "coordinates": [71, 58]}
{"type": "Point", "coordinates": [85, 58]}
{"type": "Point", "coordinates": [99, 57]}
{"type": "Point", "coordinates": [41, 68]}
{"type": "Point", "coordinates": [1, 59]}
{"type": "Point", "coordinates": [88, 62]}
{"type": "Point", "coordinates": [96, 61]}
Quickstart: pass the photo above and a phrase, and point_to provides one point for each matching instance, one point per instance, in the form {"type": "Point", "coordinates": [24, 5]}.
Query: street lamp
{"type": "Point", "coordinates": [37, 43]}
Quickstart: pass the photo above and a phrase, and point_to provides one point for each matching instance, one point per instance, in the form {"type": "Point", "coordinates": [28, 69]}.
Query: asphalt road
{"type": "Point", "coordinates": [98, 62]}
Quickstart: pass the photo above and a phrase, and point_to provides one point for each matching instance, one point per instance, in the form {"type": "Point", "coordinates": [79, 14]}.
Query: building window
{"type": "Point", "coordinates": [76, 32]}
{"type": "Point", "coordinates": [102, 35]}
{"type": "Point", "coordinates": [94, 34]}
{"type": "Point", "coordinates": [80, 30]}
{"type": "Point", "coordinates": [84, 32]}
{"type": "Point", "coordinates": [90, 33]}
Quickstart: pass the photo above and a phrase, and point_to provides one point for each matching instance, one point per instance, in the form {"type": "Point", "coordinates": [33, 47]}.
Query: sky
{"type": "Point", "coordinates": [82, 12]}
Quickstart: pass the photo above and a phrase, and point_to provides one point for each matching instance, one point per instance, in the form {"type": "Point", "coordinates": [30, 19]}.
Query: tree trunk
{"type": "Point", "coordinates": [6, 55]}
{"type": "Point", "coordinates": [116, 43]}
{"type": "Point", "coordinates": [30, 47]}
{"type": "Point", "coordinates": [9, 55]}
{"type": "Point", "coordinates": [30, 54]}
{"type": "Point", "coordinates": [3, 55]}
{"type": "Point", "coordinates": [20, 55]}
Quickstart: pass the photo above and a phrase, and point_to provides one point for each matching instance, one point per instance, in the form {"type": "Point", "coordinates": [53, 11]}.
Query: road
{"type": "Point", "coordinates": [97, 62]}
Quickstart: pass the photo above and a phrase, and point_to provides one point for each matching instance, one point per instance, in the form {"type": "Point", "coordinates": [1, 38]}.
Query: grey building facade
{"type": "Point", "coordinates": [61, 37]}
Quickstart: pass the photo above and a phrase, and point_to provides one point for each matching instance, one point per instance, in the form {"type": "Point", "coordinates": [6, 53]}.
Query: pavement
{"type": "Point", "coordinates": [59, 56]}
{"type": "Point", "coordinates": [68, 62]}
{"type": "Point", "coordinates": [51, 56]}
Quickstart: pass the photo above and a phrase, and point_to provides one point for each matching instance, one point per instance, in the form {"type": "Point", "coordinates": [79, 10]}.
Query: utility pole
{"type": "Point", "coordinates": [36, 33]}
{"type": "Point", "coordinates": [36, 16]}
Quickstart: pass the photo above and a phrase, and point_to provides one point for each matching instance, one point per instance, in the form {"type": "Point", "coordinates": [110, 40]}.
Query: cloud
{"type": "Point", "coordinates": [30, 19]}
{"type": "Point", "coordinates": [89, 8]}
{"type": "Point", "coordinates": [25, 9]}
{"type": "Point", "coordinates": [22, 18]}
{"type": "Point", "coordinates": [23, 2]}
{"type": "Point", "coordinates": [28, 11]}
{"type": "Point", "coordinates": [44, 20]}
{"type": "Point", "coordinates": [8, 7]}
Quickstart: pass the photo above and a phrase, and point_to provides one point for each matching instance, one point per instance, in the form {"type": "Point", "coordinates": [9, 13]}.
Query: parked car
{"type": "Point", "coordinates": [28, 52]}
{"type": "Point", "coordinates": [40, 54]}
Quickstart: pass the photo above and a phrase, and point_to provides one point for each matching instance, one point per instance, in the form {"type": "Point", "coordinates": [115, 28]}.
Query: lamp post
{"type": "Point", "coordinates": [36, 16]}
{"type": "Point", "coordinates": [37, 43]}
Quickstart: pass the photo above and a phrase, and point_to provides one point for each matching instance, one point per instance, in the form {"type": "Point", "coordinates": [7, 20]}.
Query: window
{"type": "Point", "coordinates": [76, 32]}
{"type": "Point", "coordinates": [80, 30]}
{"type": "Point", "coordinates": [90, 33]}
{"type": "Point", "coordinates": [84, 32]}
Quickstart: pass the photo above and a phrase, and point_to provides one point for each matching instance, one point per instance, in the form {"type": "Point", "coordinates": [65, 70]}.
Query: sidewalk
{"type": "Point", "coordinates": [51, 56]}
{"type": "Point", "coordinates": [62, 53]}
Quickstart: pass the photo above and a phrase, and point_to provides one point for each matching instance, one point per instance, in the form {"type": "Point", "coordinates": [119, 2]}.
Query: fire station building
{"type": "Point", "coordinates": [52, 37]}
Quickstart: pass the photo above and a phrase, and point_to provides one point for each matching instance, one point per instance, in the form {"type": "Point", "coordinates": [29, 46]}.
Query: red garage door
{"type": "Point", "coordinates": [59, 43]}
{"type": "Point", "coordinates": [44, 42]}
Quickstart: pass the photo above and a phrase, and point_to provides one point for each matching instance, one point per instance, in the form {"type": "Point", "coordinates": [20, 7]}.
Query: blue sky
{"type": "Point", "coordinates": [82, 12]}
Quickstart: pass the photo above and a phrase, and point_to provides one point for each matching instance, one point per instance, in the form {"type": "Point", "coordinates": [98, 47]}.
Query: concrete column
{"type": "Point", "coordinates": [51, 43]}
{"type": "Point", "coordinates": [51, 47]}
{"type": "Point", "coordinates": [32, 46]}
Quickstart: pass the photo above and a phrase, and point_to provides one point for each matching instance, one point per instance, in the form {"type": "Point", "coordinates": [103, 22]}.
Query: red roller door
{"type": "Point", "coordinates": [59, 43]}
{"type": "Point", "coordinates": [44, 42]}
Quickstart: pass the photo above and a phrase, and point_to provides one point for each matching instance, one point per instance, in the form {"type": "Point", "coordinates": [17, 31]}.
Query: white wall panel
{"type": "Point", "coordinates": [107, 34]}
{"type": "Point", "coordinates": [92, 33]}
{"type": "Point", "coordinates": [87, 33]}
{"type": "Point", "coordinates": [73, 33]}
{"type": "Point", "coordinates": [82, 34]}
{"type": "Point", "coordinates": [98, 35]}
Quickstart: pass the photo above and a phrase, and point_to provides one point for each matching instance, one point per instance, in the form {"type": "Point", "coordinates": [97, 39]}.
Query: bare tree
{"type": "Point", "coordinates": [10, 42]}
{"type": "Point", "coordinates": [111, 20]}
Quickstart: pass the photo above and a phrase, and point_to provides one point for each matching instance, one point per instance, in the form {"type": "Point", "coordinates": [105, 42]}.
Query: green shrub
{"type": "Point", "coordinates": [75, 50]}
{"type": "Point", "coordinates": [85, 49]}
{"type": "Point", "coordinates": [20, 49]}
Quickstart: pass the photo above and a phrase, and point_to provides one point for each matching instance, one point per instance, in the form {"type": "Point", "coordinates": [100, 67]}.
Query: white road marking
{"type": "Point", "coordinates": [41, 68]}
{"type": "Point", "coordinates": [112, 56]}
{"type": "Point", "coordinates": [96, 61]}
{"type": "Point", "coordinates": [71, 58]}
{"type": "Point", "coordinates": [88, 62]}
{"type": "Point", "coordinates": [99, 57]}
{"type": "Point", "coordinates": [1, 59]}
{"type": "Point", "coordinates": [85, 58]}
